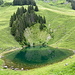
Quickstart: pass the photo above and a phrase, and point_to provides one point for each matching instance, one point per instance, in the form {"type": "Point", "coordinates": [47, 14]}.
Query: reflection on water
{"type": "Point", "coordinates": [35, 55]}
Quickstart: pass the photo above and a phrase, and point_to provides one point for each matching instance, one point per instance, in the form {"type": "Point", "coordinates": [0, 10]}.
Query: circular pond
{"type": "Point", "coordinates": [33, 57]}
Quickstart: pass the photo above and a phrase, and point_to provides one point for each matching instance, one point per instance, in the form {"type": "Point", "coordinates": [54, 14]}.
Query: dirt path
{"type": "Point", "coordinates": [70, 12]}
{"type": "Point", "coordinates": [1, 54]}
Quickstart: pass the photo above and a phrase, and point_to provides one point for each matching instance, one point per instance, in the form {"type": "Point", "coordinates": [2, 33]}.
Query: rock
{"type": "Point", "coordinates": [66, 2]}
{"type": "Point", "coordinates": [70, 57]}
{"type": "Point", "coordinates": [66, 64]}
{"type": "Point", "coordinates": [48, 38]}
{"type": "Point", "coordinates": [1, 69]}
{"type": "Point", "coordinates": [74, 51]}
{"type": "Point", "coordinates": [22, 68]}
{"type": "Point", "coordinates": [5, 67]}
{"type": "Point", "coordinates": [0, 48]}
{"type": "Point", "coordinates": [16, 69]}
{"type": "Point", "coordinates": [0, 57]}
{"type": "Point", "coordinates": [13, 68]}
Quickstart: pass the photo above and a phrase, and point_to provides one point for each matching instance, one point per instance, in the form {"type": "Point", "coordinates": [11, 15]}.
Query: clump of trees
{"type": "Point", "coordinates": [22, 19]}
{"type": "Point", "coordinates": [24, 2]}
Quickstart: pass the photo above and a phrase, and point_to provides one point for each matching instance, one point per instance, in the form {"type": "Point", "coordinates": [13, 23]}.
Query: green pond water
{"type": "Point", "coordinates": [33, 57]}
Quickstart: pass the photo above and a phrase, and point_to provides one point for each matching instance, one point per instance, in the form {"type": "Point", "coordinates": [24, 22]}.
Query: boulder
{"type": "Point", "coordinates": [66, 64]}
{"type": "Point", "coordinates": [5, 67]}
{"type": "Point", "coordinates": [22, 68]}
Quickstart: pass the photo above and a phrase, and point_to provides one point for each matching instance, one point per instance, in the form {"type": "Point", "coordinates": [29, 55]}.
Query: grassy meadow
{"type": "Point", "coordinates": [60, 20]}
{"type": "Point", "coordinates": [6, 39]}
{"type": "Point", "coordinates": [61, 24]}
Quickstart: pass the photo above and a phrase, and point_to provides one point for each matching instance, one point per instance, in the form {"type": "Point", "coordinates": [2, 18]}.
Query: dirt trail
{"type": "Point", "coordinates": [1, 54]}
{"type": "Point", "coordinates": [70, 13]}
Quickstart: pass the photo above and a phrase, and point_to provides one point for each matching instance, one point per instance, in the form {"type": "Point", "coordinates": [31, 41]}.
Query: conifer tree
{"type": "Point", "coordinates": [44, 20]}
{"type": "Point", "coordinates": [36, 8]}
{"type": "Point", "coordinates": [17, 36]}
{"type": "Point", "coordinates": [13, 29]}
{"type": "Point", "coordinates": [41, 26]}
{"type": "Point", "coordinates": [11, 21]}
{"type": "Point", "coordinates": [18, 12]}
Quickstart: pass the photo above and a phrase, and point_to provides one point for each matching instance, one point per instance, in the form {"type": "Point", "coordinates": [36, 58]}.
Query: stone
{"type": "Point", "coordinates": [5, 67]}
{"type": "Point", "coordinates": [16, 69]}
{"type": "Point", "coordinates": [70, 57]}
{"type": "Point", "coordinates": [12, 68]}
{"type": "Point", "coordinates": [66, 64]}
{"type": "Point", "coordinates": [22, 68]}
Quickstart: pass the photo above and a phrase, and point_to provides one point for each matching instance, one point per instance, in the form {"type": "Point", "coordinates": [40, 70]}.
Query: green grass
{"type": "Point", "coordinates": [6, 39]}
{"type": "Point", "coordinates": [67, 41]}
{"type": "Point", "coordinates": [62, 22]}
{"type": "Point", "coordinates": [1, 63]}
{"type": "Point", "coordinates": [61, 4]}
{"type": "Point", "coordinates": [7, 0]}
{"type": "Point", "coordinates": [58, 23]}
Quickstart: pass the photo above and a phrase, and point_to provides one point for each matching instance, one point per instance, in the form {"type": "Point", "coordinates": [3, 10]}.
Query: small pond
{"type": "Point", "coordinates": [33, 57]}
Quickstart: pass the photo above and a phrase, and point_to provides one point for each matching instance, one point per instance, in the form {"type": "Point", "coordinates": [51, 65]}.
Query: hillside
{"type": "Point", "coordinates": [63, 28]}
{"type": "Point", "coordinates": [60, 20]}
{"type": "Point", "coordinates": [6, 39]}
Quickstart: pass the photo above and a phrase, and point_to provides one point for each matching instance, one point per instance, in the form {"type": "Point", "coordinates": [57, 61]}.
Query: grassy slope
{"type": "Point", "coordinates": [6, 40]}
{"type": "Point", "coordinates": [62, 24]}
{"type": "Point", "coordinates": [55, 22]}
